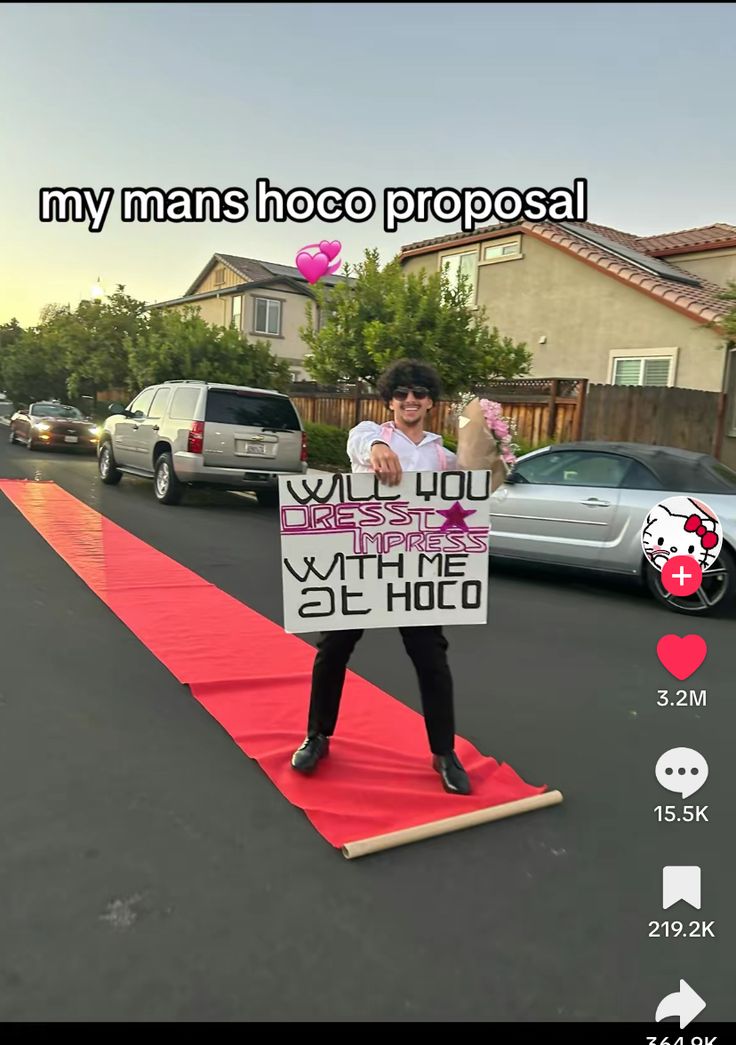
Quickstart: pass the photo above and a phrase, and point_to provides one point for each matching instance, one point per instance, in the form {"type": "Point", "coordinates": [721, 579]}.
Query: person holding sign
{"type": "Point", "coordinates": [409, 389]}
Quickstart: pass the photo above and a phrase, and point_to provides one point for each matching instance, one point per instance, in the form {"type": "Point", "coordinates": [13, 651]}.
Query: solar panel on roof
{"type": "Point", "coordinates": [653, 265]}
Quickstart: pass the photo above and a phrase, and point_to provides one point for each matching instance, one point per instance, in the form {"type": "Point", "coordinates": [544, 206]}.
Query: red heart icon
{"type": "Point", "coordinates": [682, 656]}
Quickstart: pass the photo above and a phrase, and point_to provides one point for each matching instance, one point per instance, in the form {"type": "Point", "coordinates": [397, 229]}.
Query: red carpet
{"type": "Point", "coordinates": [253, 679]}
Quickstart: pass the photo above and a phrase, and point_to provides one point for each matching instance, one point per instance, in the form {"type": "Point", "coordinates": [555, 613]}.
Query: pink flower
{"type": "Point", "coordinates": [491, 411]}
{"type": "Point", "coordinates": [503, 429]}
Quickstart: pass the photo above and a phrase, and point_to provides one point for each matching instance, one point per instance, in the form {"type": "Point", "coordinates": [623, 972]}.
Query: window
{"type": "Point", "coordinates": [723, 475]}
{"type": "Point", "coordinates": [237, 312]}
{"type": "Point", "coordinates": [464, 263]}
{"type": "Point", "coordinates": [219, 277]}
{"type": "Point", "coordinates": [639, 477]}
{"type": "Point", "coordinates": [574, 468]}
{"type": "Point", "coordinates": [56, 410]}
{"type": "Point", "coordinates": [645, 370]}
{"type": "Point", "coordinates": [142, 402]}
{"type": "Point", "coordinates": [250, 410]}
{"type": "Point", "coordinates": [267, 316]}
{"type": "Point", "coordinates": [160, 402]}
{"type": "Point", "coordinates": [502, 250]}
{"type": "Point", "coordinates": [184, 404]}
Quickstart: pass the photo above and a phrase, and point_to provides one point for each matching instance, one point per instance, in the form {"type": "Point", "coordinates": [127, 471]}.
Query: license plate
{"type": "Point", "coordinates": [256, 449]}
{"type": "Point", "coordinates": [71, 439]}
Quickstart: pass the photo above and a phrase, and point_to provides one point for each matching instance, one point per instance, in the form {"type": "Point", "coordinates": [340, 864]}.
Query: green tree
{"type": "Point", "coordinates": [10, 333]}
{"type": "Point", "coordinates": [728, 323]}
{"type": "Point", "coordinates": [181, 345]}
{"type": "Point", "coordinates": [87, 347]}
{"type": "Point", "coordinates": [386, 314]}
{"type": "Point", "coordinates": [93, 341]}
{"type": "Point", "coordinates": [32, 368]}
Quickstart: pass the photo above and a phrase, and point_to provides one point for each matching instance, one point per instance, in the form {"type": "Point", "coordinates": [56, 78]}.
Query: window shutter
{"type": "Point", "coordinates": [627, 372]}
{"type": "Point", "coordinates": [656, 371]}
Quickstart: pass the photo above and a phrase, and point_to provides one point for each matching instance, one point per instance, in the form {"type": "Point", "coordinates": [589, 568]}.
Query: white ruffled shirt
{"type": "Point", "coordinates": [427, 456]}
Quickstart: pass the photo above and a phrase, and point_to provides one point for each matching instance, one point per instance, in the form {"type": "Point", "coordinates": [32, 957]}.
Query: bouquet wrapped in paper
{"type": "Point", "coordinates": [485, 439]}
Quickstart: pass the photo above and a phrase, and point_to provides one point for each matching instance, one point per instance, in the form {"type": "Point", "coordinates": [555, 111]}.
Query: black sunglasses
{"type": "Point", "coordinates": [401, 393]}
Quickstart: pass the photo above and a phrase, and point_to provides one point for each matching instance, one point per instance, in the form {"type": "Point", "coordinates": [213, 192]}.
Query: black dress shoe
{"type": "Point", "coordinates": [454, 778]}
{"type": "Point", "coordinates": [305, 759]}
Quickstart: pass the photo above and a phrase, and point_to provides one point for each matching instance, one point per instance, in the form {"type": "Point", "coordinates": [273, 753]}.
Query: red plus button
{"type": "Point", "coordinates": [682, 575]}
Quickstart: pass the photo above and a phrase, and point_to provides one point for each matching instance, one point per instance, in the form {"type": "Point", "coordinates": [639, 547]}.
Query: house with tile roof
{"type": "Point", "coordinates": [263, 299]}
{"type": "Point", "coordinates": [594, 302]}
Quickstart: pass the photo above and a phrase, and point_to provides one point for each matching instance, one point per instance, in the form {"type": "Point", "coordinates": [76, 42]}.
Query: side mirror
{"type": "Point", "coordinates": [514, 478]}
{"type": "Point", "coordinates": [115, 408]}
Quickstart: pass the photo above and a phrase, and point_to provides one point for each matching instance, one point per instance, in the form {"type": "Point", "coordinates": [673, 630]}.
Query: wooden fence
{"type": "Point", "coordinates": [553, 410]}
{"type": "Point", "coordinates": [544, 409]}
{"type": "Point", "coordinates": [681, 417]}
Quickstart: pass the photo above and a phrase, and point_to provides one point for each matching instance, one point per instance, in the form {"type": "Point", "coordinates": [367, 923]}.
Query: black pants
{"type": "Point", "coordinates": [427, 648]}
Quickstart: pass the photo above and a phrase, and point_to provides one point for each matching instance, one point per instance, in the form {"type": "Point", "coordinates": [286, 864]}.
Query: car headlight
{"type": "Point", "coordinates": [95, 432]}
{"type": "Point", "coordinates": [42, 426]}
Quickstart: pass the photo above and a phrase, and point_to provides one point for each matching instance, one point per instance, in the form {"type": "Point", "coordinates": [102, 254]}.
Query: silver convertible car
{"type": "Point", "coordinates": [583, 505]}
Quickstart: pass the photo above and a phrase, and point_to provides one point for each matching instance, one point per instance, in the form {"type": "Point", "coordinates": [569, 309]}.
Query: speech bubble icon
{"type": "Point", "coordinates": [680, 883]}
{"type": "Point", "coordinates": [682, 770]}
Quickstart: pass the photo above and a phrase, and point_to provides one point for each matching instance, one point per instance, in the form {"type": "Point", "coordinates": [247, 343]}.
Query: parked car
{"type": "Point", "coordinates": [54, 425]}
{"type": "Point", "coordinates": [584, 505]}
{"type": "Point", "coordinates": [199, 433]}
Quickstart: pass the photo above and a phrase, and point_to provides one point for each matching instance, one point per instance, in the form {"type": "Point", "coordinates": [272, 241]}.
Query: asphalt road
{"type": "Point", "coordinates": [149, 871]}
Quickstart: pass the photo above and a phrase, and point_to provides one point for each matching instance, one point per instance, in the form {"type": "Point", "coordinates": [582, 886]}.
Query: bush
{"type": "Point", "coordinates": [526, 448]}
{"type": "Point", "coordinates": [327, 447]}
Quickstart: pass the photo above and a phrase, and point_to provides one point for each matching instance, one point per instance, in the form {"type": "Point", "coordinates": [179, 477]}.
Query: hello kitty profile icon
{"type": "Point", "coordinates": [681, 526]}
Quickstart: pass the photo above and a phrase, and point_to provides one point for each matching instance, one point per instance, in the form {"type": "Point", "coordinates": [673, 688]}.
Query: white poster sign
{"type": "Point", "coordinates": [359, 554]}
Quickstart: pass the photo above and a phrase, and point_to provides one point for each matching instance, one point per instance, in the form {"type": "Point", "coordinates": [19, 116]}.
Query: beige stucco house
{"type": "Point", "coordinates": [265, 300]}
{"type": "Point", "coordinates": [594, 302]}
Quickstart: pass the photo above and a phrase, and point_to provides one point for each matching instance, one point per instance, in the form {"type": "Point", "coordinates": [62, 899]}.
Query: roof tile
{"type": "Point", "coordinates": [702, 301]}
{"type": "Point", "coordinates": [706, 235]}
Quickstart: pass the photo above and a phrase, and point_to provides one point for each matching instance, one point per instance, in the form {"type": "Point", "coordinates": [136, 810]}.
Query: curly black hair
{"type": "Point", "coordinates": [408, 372]}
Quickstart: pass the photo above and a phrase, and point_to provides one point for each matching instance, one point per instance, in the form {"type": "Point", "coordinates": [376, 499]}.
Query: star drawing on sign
{"type": "Point", "coordinates": [455, 517]}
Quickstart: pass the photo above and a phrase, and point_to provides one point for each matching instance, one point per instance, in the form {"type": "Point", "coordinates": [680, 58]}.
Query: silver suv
{"type": "Point", "coordinates": [200, 433]}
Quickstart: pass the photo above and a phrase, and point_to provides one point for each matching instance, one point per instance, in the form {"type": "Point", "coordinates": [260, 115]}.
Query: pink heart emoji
{"type": "Point", "coordinates": [330, 249]}
{"type": "Point", "coordinates": [312, 266]}
{"type": "Point", "coordinates": [682, 656]}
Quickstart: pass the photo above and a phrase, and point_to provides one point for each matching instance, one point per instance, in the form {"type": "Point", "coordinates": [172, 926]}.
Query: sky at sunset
{"type": "Point", "coordinates": [637, 99]}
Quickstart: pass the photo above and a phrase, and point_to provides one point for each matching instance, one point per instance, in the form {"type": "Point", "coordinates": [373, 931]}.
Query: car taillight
{"type": "Point", "coordinates": [195, 442]}
{"type": "Point", "coordinates": [304, 447]}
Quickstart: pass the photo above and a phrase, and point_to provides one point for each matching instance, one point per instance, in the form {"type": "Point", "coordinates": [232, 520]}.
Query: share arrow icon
{"type": "Point", "coordinates": [686, 1004]}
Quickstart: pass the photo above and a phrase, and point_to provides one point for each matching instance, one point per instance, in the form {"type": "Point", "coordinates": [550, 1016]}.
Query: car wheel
{"type": "Point", "coordinates": [268, 498]}
{"type": "Point", "coordinates": [717, 590]}
{"type": "Point", "coordinates": [31, 444]}
{"type": "Point", "coordinates": [167, 486]}
{"type": "Point", "coordinates": [109, 474]}
{"type": "Point", "coordinates": [11, 436]}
